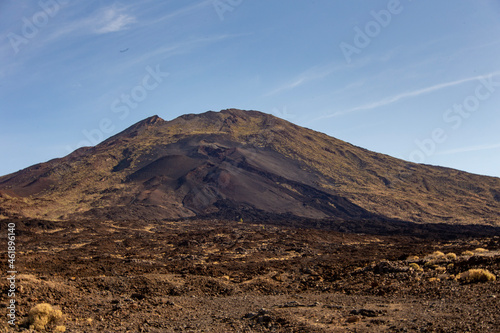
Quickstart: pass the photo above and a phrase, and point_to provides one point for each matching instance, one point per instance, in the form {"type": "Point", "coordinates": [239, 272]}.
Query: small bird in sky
{"type": "Point", "coordinates": [125, 50]}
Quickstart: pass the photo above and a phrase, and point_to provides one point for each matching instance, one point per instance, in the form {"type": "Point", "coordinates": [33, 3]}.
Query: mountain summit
{"type": "Point", "coordinates": [242, 164]}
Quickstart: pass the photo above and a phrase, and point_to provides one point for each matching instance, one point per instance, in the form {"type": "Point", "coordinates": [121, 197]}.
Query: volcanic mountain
{"type": "Point", "coordinates": [242, 165]}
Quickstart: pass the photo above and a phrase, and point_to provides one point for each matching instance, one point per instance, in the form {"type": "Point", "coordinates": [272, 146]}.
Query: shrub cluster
{"type": "Point", "coordinates": [43, 316]}
{"type": "Point", "coordinates": [476, 275]}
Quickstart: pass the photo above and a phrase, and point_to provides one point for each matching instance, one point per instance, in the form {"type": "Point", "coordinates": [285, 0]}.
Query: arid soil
{"type": "Point", "coordinates": [223, 276]}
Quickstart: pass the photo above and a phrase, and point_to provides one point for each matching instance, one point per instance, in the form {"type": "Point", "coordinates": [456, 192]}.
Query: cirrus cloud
{"type": "Point", "coordinates": [111, 20]}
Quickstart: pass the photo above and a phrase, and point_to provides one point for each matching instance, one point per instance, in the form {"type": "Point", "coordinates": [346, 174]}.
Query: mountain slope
{"type": "Point", "coordinates": [243, 164]}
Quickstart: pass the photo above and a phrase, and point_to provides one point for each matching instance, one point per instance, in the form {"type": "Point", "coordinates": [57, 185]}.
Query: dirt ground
{"type": "Point", "coordinates": [220, 276]}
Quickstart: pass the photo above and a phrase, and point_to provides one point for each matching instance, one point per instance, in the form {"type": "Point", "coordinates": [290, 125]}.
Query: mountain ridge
{"type": "Point", "coordinates": [242, 163]}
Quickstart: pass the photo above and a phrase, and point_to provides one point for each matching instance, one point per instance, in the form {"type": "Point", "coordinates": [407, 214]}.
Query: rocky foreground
{"type": "Point", "coordinates": [216, 276]}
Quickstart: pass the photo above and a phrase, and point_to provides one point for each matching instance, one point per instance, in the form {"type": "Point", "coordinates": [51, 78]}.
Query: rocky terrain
{"type": "Point", "coordinates": [227, 276]}
{"type": "Point", "coordinates": [238, 221]}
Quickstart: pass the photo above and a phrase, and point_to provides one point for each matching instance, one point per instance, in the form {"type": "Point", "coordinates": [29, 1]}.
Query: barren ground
{"type": "Point", "coordinates": [216, 276]}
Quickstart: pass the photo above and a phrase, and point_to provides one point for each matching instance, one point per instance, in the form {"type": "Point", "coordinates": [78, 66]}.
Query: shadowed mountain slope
{"type": "Point", "coordinates": [243, 164]}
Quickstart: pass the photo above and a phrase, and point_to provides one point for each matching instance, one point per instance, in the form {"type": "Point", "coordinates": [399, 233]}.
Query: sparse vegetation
{"type": "Point", "coordinates": [476, 275]}
{"type": "Point", "coordinates": [43, 316]}
{"type": "Point", "coordinates": [331, 274]}
{"type": "Point", "coordinates": [416, 267]}
{"type": "Point", "coordinates": [438, 254]}
{"type": "Point", "coordinates": [467, 253]}
{"type": "Point", "coordinates": [480, 250]}
{"type": "Point", "coordinates": [431, 259]}
{"type": "Point", "coordinates": [451, 256]}
{"type": "Point", "coordinates": [440, 269]}
{"type": "Point", "coordinates": [431, 264]}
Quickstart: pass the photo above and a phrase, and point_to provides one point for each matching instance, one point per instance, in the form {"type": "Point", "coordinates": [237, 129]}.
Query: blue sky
{"type": "Point", "coordinates": [418, 80]}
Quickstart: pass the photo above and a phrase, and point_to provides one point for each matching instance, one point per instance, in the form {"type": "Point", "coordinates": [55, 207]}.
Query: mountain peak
{"type": "Point", "coordinates": [136, 128]}
{"type": "Point", "coordinates": [244, 164]}
{"type": "Point", "coordinates": [155, 118]}
{"type": "Point", "coordinates": [243, 113]}
{"type": "Point", "coordinates": [150, 121]}
{"type": "Point", "coordinates": [226, 113]}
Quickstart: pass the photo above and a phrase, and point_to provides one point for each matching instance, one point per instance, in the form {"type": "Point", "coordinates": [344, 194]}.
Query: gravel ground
{"type": "Point", "coordinates": [216, 276]}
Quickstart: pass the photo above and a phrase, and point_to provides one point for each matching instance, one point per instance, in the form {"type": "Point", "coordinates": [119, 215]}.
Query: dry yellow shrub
{"type": "Point", "coordinates": [43, 315]}
{"type": "Point", "coordinates": [416, 267]}
{"type": "Point", "coordinates": [451, 256]}
{"type": "Point", "coordinates": [476, 275]}
{"type": "Point", "coordinates": [437, 254]}
{"type": "Point", "coordinates": [440, 269]}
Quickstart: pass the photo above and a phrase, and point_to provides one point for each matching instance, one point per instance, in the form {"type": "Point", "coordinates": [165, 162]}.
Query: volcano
{"type": "Point", "coordinates": [247, 165]}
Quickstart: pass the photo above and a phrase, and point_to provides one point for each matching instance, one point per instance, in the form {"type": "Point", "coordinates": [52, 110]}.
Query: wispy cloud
{"type": "Point", "coordinates": [408, 94]}
{"type": "Point", "coordinates": [182, 11]}
{"type": "Point", "coordinates": [469, 149]}
{"type": "Point", "coordinates": [178, 48]}
{"type": "Point", "coordinates": [111, 20]}
{"type": "Point", "coordinates": [314, 73]}
{"type": "Point", "coordinates": [68, 24]}
{"type": "Point", "coordinates": [322, 71]}
{"type": "Point", "coordinates": [103, 21]}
